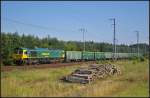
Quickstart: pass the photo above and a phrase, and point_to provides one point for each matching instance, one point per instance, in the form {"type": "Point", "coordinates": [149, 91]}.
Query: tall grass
{"type": "Point", "coordinates": [46, 82]}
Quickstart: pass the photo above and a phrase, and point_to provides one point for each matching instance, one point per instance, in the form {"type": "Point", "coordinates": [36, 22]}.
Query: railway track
{"type": "Point", "coordinates": [57, 65]}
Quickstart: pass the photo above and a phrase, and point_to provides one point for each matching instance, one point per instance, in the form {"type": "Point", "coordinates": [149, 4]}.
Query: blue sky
{"type": "Point", "coordinates": [63, 19]}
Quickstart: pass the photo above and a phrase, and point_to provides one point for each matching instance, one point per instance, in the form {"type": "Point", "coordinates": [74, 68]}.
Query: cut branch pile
{"type": "Point", "coordinates": [92, 72]}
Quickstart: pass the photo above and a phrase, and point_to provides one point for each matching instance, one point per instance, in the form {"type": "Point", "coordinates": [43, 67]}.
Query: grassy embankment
{"type": "Point", "coordinates": [133, 81]}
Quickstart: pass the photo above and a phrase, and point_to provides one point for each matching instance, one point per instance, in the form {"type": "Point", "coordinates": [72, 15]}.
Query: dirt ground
{"type": "Point", "coordinates": [57, 65]}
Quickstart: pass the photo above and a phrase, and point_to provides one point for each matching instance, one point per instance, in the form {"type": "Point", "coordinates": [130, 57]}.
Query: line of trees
{"type": "Point", "coordinates": [9, 41]}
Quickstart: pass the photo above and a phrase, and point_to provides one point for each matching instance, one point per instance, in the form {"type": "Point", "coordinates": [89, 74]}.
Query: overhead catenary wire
{"type": "Point", "coordinates": [36, 26]}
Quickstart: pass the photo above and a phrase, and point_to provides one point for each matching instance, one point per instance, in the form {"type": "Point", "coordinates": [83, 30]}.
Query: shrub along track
{"type": "Point", "coordinates": [52, 65]}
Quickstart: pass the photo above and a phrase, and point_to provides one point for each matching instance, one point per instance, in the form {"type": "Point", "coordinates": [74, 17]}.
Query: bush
{"type": "Point", "coordinates": [2, 64]}
{"type": "Point", "coordinates": [146, 56]}
{"type": "Point", "coordinates": [142, 59]}
{"type": "Point", "coordinates": [97, 62]}
{"type": "Point", "coordinates": [134, 62]}
{"type": "Point", "coordinates": [137, 59]}
{"type": "Point", "coordinates": [134, 58]}
{"type": "Point", "coordinates": [8, 62]}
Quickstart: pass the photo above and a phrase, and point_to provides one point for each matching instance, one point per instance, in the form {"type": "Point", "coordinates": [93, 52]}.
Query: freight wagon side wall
{"type": "Point", "coordinates": [88, 55]}
{"type": "Point", "coordinates": [108, 55]}
{"type": "Point", "coordinates": [99, 55]}
{"type": "Point", "coordinates": [73, 55]}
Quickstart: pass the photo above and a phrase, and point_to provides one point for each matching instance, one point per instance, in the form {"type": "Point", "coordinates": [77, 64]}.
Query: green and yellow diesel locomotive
{"type": "Point", "coordinates": [37, 55]}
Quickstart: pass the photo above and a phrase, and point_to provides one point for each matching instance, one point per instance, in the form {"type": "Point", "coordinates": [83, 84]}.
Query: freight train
{"type": "Point", "coordinates": [44, 55]}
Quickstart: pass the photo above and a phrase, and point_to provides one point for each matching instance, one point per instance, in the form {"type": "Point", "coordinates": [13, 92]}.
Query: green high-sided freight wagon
{"type": "Point", "coordinates": [73, 55]}
{"type": "Point", "coordinates": [88, 55]}
{"type": "Point", "coordinates": [99, 55]}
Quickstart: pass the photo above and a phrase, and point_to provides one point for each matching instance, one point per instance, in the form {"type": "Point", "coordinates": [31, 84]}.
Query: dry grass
{"type": "Point", "coordinates": [45, 82]}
